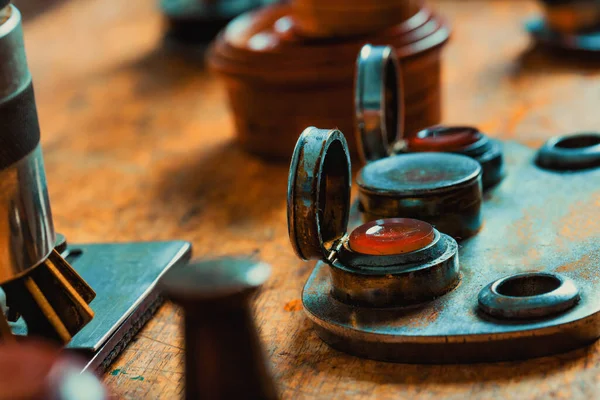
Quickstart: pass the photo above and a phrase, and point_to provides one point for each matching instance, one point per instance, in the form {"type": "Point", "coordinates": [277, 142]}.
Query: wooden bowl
{"type": "Point", "coordinates": [279, 82]}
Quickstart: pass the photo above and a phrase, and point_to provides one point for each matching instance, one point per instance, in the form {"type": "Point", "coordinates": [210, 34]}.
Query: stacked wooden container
{"type": "Point", "coordinates": [289, 66]}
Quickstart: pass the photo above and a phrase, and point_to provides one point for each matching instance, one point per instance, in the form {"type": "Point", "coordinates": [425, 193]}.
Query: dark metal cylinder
{"type": "Point", "coordinates": [223, 358]}
{"type": "Point", "coordinates": [440, 188]}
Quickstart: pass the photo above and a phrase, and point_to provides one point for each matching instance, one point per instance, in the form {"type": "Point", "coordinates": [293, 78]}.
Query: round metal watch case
{"type": "Point", "coordinates": [379, 116]}
{"type": "Point", "coordinates": [396, 280]}
{"type": "Point", "coordinates": [318, 215]}
{"type": "Point", "coordinates": [440, 188]}
{"type": "Point", "coordinates": [487, 152]}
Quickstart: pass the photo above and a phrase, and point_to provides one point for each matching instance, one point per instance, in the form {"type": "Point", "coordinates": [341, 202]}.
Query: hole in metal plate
{"type": "Point", "coordinates": [579, 141]}
{"type": "Point", "coordinates": [570, 152]}
{"type": "Point", "coordinates": [528, 296]}
{"type": "Point", "coordinates": [529, 285]}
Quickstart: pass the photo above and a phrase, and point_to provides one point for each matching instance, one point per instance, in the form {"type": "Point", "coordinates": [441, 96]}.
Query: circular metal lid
{"type": "Point", "coordinates": [417, 173]}
{"type": "Point", "coordinates": [318, 197]}
{"type": "Point", "coordinates": [378, 101]}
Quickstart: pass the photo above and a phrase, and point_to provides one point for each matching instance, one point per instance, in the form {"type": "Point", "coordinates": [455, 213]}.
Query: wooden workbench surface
{"type": "Point", "coordinates": [139, 145]}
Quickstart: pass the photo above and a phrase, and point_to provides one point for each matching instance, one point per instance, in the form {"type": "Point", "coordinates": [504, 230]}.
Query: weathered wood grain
{"type": "Point", "coordinates": [138, 146]}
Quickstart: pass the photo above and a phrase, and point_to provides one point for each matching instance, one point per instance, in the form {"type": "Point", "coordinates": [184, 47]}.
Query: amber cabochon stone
{"type": "Point", "coordinates": [279, 82]}
{"type": "Point", "coordinates": [391, 236]}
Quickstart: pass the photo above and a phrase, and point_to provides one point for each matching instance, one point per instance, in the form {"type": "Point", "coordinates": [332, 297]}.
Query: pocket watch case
{"type": "Point", "coordinates": [318, 211]}
{"type": "Point", "coordinates": [380, 118]}
{"type": "Point", "coordinates": [528, 279]}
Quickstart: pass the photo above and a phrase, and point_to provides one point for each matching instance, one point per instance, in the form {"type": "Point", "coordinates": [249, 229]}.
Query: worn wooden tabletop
{"type": "Point", "coordinates": [138, 145]}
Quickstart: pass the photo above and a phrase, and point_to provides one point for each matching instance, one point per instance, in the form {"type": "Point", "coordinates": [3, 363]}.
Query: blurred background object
{"type": "Point", "coordinates": [31, 370]}
{"type": "Point", "coordinates": [572, 16]}
{"type": "Point", "coordinates": [290, 66]}
{"type": "Point", "coordinates": [572, 25]}
{"type": "Point", "coordinates": [198, 21]}
{"type": "Point", "coordinates": [32, 8]}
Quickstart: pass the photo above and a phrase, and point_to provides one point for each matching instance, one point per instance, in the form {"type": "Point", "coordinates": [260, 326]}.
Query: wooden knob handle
{"type": "Point", "coordinates": [223, 357]}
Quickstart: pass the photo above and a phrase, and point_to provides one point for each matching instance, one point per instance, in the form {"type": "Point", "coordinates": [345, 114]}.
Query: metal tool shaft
{"type": "Point", "coordinates": [40, 285]}
{"type": "Point", "coordinates": [26, 228]}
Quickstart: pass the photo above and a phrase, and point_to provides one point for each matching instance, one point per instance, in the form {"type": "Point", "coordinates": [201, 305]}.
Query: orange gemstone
{"type": "Point", "coordinates": [444, 139]}
{"type": "Point", "coordinates": [391, 236]}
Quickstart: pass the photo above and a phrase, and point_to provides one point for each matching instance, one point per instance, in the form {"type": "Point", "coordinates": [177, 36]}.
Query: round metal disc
{"type": "Point", "coordinates": [318, 198]}
{"type": "Point", "coordinates": [378, 102]}
{"type": "Point", "coordinates": [418, 173]}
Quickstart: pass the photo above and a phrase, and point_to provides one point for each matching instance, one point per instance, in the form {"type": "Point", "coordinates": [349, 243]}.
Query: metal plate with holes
{"type": "Point", "coordinates": [124, 276]}
{"type": "Point", "coordinates": [535, 220]}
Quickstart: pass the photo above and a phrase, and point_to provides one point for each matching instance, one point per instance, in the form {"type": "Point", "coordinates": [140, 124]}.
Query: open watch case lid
{"type": "Point", "coordinates": [318, 196]}
{"type": "Point", "coordinates": [378, 102]}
